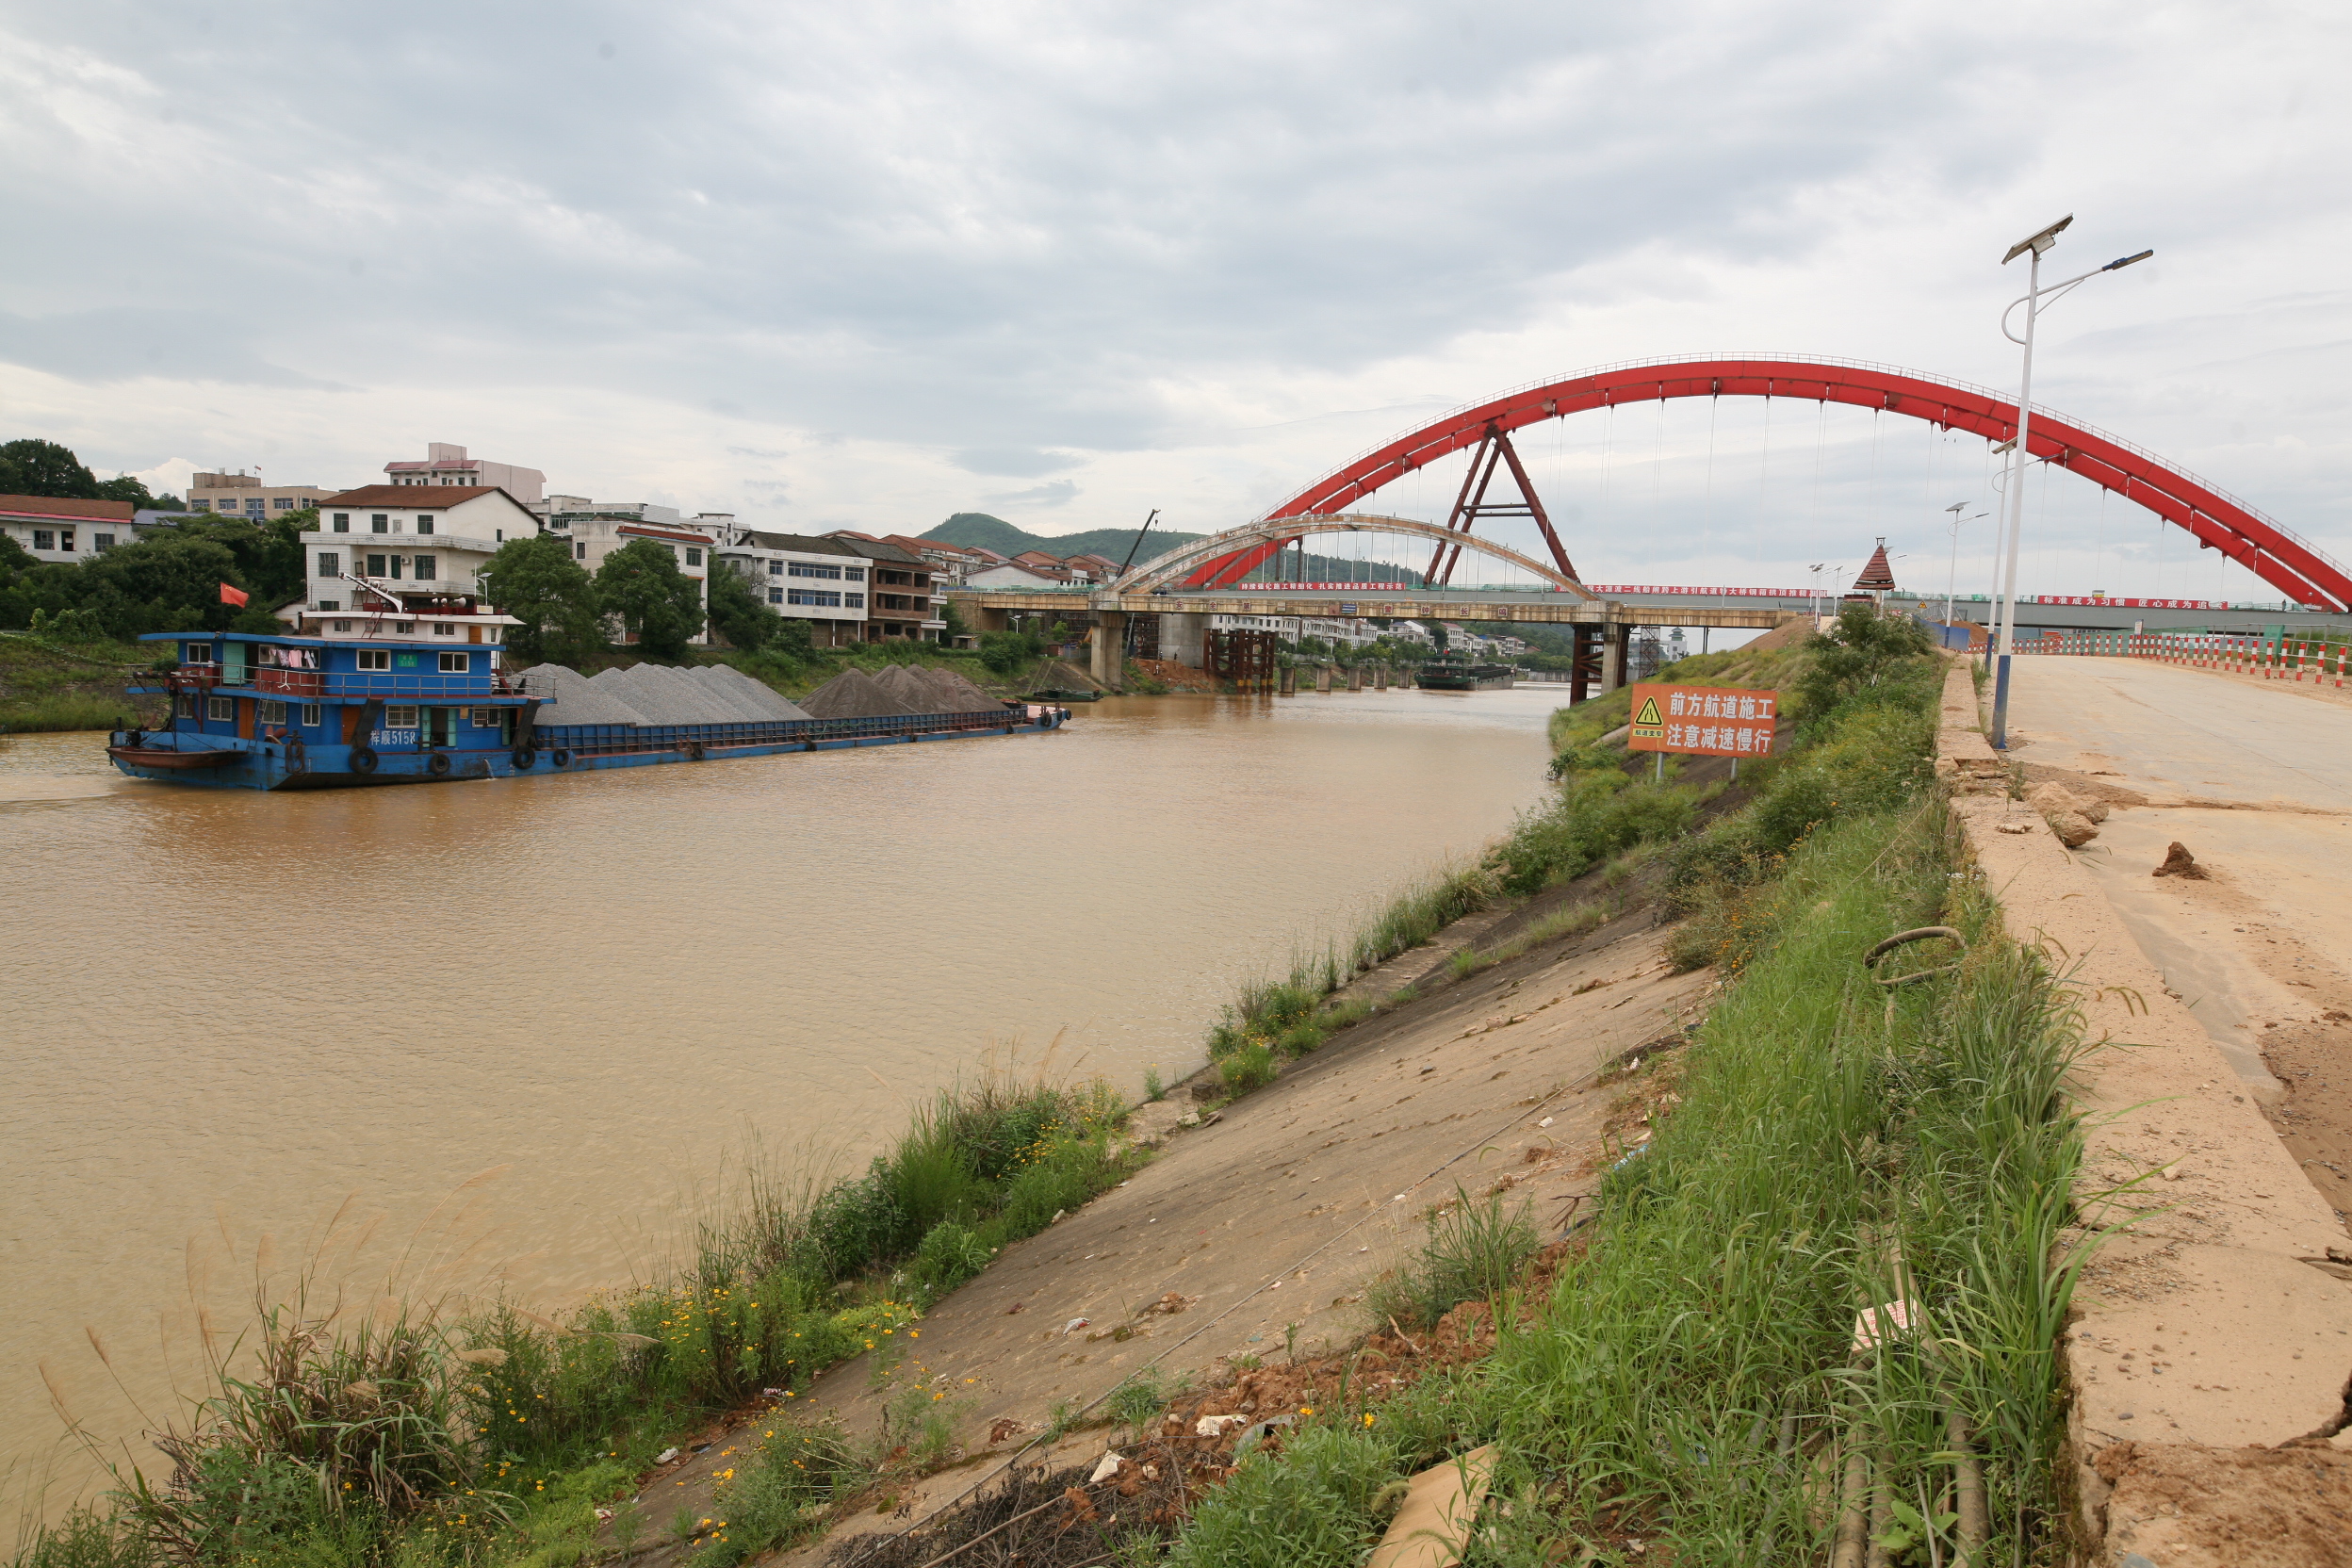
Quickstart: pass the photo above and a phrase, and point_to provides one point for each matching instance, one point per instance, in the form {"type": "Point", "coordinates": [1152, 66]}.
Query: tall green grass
{"type": "Point", "coordinates": [355, 1437]}
{"type": "Point", "coordinates": [1693, 1379]}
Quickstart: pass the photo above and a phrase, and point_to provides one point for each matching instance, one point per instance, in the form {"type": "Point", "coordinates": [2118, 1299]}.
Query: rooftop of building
{"type": "Point", "coordinates": [65, 506]}
{"type": "Point", "coordinates": [442, 497]}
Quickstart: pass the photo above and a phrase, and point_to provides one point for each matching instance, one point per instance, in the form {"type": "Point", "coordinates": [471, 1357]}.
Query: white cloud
{"type": "Point", "coordinates": [1203, 253]}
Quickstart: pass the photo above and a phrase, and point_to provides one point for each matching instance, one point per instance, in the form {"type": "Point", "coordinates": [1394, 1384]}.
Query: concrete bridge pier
{"type": "Point", "coordinates": [1616, 655]}
{"type": "Point", "coordinates": [1289, 684]}
{"type": "Point", "coordinates": [1380, 678]}
{"type": "Point", "coordinates": [1355, 678]}
{"type": "Point", "coordinates": [1323, 678]}
{"type": "Point", "coordinates": [1110, 649]}
{"type": "Point", "coordinates": [1185, 640]}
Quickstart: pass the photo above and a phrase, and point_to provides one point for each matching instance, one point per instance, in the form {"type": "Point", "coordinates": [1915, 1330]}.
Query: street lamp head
{"type": "Point", "coordinates": [2126, 261]}
{"type": "Point", "coordinates": [2039, 242]}
{"type": "Point", "coordinates": [1956, 507]}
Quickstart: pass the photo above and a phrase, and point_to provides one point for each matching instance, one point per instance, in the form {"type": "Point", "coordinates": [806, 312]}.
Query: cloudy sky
{"type": "Point", "coordinates": [866, 265]}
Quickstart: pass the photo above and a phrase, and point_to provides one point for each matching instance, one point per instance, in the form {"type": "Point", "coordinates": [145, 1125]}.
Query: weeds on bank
{"type": "Point", "coordinates": [391, 1435]}
{"type": "Point", "coordinates": [1693, 1381]}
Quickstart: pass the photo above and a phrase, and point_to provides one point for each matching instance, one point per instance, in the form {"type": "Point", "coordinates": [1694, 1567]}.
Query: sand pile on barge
{"type": "Point", "coordinates": [577, 699]}
{"type": "Point", "coordinates": [933, 690]}
{"type": "Point", "coordinates": [854, 695]}
{"type": "Point", "coordinates": [756, 700]}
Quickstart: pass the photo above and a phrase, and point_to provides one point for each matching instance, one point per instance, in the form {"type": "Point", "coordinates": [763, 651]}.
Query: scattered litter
{"type": "Point", "coordinates": [1882, 1323]}
{"type": "Point", "coordinates": [1260, 1432]}
{"type": "Point", "coordinates": [1105, 1470]}
{"type": "Point", "coordinates": [1546, 1121]}
{"type": "Point", "coordinates": [1214, 1426]}
{"type": "Point", "coordinates": [666, 1456]}
{"type": "Point", "coordinates": [1073, 1325]}
{"type": "Point", "coordinates": [772, 1393]}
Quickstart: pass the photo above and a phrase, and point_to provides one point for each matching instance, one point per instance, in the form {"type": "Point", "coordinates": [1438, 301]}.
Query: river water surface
{"type": "Point", "coordinates": [229, 1015]}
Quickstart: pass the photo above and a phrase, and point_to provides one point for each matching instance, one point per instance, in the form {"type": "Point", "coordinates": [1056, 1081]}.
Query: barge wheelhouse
{"type": "Point", "coordinates": [409, 696]}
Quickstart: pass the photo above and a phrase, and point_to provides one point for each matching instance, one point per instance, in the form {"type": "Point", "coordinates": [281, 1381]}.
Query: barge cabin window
{"type": "Point", "coordinates": [486, 718]}
{"type": "Point", "coordinates": [219, 707]}
{"type": "Point", "coordinates": [314, 714]}
{"type": "Point", "coordinates": [375, 658]}
{"type": "Point", "coordinates": [196, 653]}
{"type": "Point", "coordinates": [400, 718]}
{"type": "Point", "coordinates": [456, 663]}
{"type": "Point", "coordinates": [271, 713]}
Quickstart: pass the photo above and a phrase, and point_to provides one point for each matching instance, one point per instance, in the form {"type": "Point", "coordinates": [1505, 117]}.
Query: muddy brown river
{"type": "Point", "coordinates": [528, 1030]}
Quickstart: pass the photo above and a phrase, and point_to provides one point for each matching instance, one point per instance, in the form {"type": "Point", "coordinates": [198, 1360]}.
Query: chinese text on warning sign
{"type": "Point", "coordinates": [1712, 721]}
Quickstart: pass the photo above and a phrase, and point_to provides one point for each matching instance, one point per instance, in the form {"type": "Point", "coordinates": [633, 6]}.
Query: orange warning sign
{"type": "Point", "coordinates": [1710, 721]}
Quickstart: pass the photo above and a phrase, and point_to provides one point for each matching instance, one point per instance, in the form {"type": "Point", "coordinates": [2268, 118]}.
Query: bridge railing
{"type": "Point", "coordinates": [2272, 658]}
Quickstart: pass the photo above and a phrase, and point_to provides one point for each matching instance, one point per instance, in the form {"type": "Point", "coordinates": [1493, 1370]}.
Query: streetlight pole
{"type": "Point", "coordinates": [2021, 452]}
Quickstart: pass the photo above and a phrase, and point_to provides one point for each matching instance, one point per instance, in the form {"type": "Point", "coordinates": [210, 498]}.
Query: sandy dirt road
{"type": "Point", "coordinates": [2255, 778]}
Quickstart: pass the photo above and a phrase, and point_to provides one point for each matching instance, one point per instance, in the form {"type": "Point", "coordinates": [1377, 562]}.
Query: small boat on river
{"type": "Point", "coordinates": [416, 696]}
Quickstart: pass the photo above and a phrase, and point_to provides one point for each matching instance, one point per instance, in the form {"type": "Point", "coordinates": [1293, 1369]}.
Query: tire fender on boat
{"type": "Point", "coordinates": [364, 759]}
{"type": "Point", "coordinates": [439, 765]}
{"type": "Point", "coordinates": [526, 758]}
{"type": "Point", "coordinates": [695, 751]}
{"type": "Point", "coordinates": [560, 757]}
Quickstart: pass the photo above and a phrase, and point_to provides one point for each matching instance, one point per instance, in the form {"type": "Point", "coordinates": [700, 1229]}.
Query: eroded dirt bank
{"type": "Point", "coordinates": [1255, 1234]}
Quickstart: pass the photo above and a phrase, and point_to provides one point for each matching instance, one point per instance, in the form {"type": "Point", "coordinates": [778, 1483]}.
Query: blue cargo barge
{"type": "Point", "coordinates": [255, 711]}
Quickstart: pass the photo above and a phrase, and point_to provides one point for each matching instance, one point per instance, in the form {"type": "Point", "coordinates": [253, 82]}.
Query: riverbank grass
{"type": "Point", "coordinates": [410, 1433]}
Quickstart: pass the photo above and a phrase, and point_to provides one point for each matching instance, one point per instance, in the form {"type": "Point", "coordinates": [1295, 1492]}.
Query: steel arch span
{"type": "Point", "coordinates": [1188, 562]}
{"type": "Point", "coordinates": [2220, 521]}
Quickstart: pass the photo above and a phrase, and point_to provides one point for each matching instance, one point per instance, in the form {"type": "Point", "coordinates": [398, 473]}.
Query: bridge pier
{"type": "Point", "coordinates": [1184, 639]}
{"type": "Point", "coordinates": [1110, 649]}
{"type": "Point", "coordinates": [1616, 655]}
{"type": "Point", "coordinates": [1323, 678]}
{"type": "Point", "coordinates": [1355, 677]}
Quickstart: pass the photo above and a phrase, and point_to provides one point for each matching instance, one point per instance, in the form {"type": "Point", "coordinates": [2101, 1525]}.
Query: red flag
{"type": "Point", "coordinates": [232, 595]}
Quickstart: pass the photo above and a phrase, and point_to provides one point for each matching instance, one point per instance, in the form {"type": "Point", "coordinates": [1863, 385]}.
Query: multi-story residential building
{"type": "Point", "coordinates": [899, 601]}
{"type": "Point", "coordinates": [375, 543]}
{"type": "Point", "coordinates": [823, 581]}
{"type": "Point", "coordinates": [245, 495]}
{"type": "Point", "coordinates": [951, 563]}
{"type": "Point", "coordinates": [608, 526]}
{"type": "Point", "coordinates": [54, 529]}
{"type": "Point", "coordinates": [1290, 629]}
{"type": "Point", "coordinates": [447, 464]}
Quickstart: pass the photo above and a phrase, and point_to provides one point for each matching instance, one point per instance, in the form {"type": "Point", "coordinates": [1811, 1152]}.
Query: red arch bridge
{"type": "Point", "coordinates": [1201, 579]}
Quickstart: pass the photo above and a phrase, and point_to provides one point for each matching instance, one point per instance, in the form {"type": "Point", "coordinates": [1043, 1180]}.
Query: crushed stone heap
{"type": "Point", "coordinates": [853, 694]}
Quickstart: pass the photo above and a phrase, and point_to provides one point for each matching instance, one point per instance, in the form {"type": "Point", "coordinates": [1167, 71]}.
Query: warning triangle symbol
{"type": "Point", "coordinates": [1649, 713]}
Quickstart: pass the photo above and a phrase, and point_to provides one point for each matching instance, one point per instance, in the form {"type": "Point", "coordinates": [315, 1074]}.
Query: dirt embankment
{"type": "Point", "coordinates": [1252, 1236]}
{"type": "Point", "coordinates": [2210, 1349]}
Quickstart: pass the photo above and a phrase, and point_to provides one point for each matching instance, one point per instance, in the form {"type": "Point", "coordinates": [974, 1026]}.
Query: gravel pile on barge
{"type": "Point", "coordinates": [854, 695]}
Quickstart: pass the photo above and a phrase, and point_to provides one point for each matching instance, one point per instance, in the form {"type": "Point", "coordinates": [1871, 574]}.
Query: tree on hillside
{"type": "Point", "coordinates": [169, 581]}
{"type": "Point", "coordinates": [738, 613]}
{"type": "Point", "coordinates": [32, 466]}
{"type": "Point", "coordinates": [537, 581]}
{"type": "Point", "coordinates": [640, 583]}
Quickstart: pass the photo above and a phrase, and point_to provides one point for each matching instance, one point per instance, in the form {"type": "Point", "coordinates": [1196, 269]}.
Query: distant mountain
{"type": "Point", "coordinates": [995, 533]}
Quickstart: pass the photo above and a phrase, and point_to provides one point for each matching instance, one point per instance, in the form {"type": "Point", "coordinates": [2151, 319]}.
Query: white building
{"type": "Point", "coordinates": [823, 581]}
{"type": "Point", "coordinates": [608, 526]}
{"type": "Point", "coordinates": [51, 529]}
{"type": "Point", "coordinates": [1290, 629]}
{"type": "Point", "coordinates": [379, 541]}
{"type": "Point", "coordinates": [447, 464]}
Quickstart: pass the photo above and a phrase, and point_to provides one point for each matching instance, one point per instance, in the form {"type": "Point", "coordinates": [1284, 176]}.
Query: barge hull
{"type": "Point", "coordinates": [327, 768]}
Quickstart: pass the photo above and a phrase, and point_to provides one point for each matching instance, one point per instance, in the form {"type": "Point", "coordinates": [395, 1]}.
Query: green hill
{"type": "Point", "coordinates": [995, 533]}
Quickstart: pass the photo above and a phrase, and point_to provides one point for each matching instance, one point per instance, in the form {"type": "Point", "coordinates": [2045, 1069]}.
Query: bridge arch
{"type": "Point", "coordinates": [1270, 535]}
{"type": "Point", "coordinates": [2218, 520]}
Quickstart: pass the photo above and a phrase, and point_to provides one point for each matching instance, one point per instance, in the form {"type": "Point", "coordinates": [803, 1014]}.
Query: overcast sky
{"type": "Point", "coordinates": [866, 265]}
